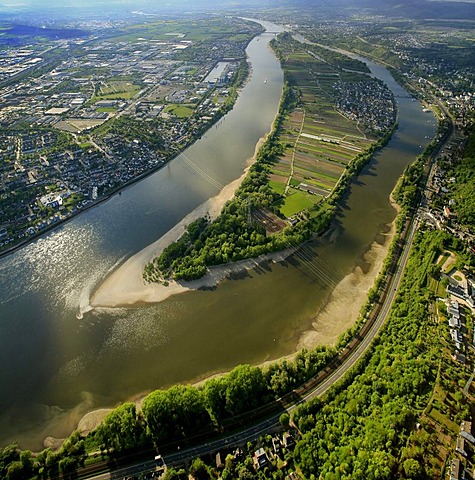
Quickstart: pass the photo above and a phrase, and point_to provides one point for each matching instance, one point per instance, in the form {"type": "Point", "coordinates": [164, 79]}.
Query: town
{"type": "Point", "coordinates": [81, 118]}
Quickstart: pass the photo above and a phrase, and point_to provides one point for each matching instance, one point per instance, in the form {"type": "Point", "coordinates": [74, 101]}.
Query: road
{"type": "Point", "coordinates": [272, 424]}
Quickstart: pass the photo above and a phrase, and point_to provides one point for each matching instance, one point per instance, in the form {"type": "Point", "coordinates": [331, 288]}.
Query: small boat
{"type": "Point", "coordinates": [265, 81]}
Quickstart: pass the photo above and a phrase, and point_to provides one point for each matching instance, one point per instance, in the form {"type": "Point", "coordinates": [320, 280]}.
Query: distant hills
{"type": "Point", "coordinates": [43, 10]}
{"type": "Point", "coordinates": [417, 9]}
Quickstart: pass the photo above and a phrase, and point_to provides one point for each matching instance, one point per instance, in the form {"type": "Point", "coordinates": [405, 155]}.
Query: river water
{"type": "Point", "coordinates": [55, 364]}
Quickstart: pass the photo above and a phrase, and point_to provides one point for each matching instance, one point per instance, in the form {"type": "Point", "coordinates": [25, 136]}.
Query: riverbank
{"type": "Point", "coordinates": [335, 317]}
{"type": "Point", "coordinates": [117, 353]}
{"type": "Point", "coordinates": [94, 203]}
{"type": "Point", "coordinates": [125, 285]}
{"type": "Point", "coordinates": [344, 304]}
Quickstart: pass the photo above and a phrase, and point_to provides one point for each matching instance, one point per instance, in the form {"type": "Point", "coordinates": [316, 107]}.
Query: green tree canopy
{"type": "Point", "coordinates": [122, 429]}
{"type": "Point", "coordinates": [175, 413]}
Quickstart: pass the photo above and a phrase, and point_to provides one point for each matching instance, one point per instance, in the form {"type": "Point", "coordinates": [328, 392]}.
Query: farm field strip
{"type": "Point", "coordinates": [315, 158]}
{"type": "Point", "coordinates": [306, 176]}
{"type": "Point", "coordinates": [335, 127]}
{"type": "Point", "coordinates": [323, 168]}
{"type": "Point", "coordinates": [339, 141]}
{"type": "Point", "coordinates": [328, 149]}
{"type": "Point", "coordinates": [320, 172]}
{"type": "Point", "coordinates": [326, 154]}
{"type": "Point", "coordinates": [319, 141]}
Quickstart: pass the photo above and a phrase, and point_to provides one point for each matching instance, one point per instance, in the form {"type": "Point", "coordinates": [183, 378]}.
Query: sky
{"type": "Point", "coordinates": [94, 7]}
{"type": "Point", "coordinates": [37, 4]}
{"type": "Point", "coordinates": [13, 5]}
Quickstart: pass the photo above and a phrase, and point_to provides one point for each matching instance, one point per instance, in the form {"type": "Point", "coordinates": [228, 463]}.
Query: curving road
{"type": "Point", "coordinates": [272, 424]}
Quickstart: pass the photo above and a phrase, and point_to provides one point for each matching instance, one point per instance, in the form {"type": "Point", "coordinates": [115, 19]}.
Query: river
{"type": "Point", "coordinates": [56, 365]}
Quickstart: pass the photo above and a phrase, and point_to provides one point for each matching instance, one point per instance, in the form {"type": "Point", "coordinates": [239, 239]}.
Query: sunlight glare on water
{"type": "Point", "coordinates": [59, 260]}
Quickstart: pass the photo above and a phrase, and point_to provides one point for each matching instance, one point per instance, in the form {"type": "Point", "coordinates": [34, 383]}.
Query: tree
{"type": "Point", "coordinates": [8, 455]}
{"type": "Point", "coordinates": [199, 470]}
{"type": "Point", "coordinates": [175, 413]}
{"type": "Point", "coordinates": [122, 429]}
{"type": "Point", "coordinates": [68, 465]}
{"type": "Point", "coordinates": [245, 473]}
{"type": "Point", "coordinates": [15, 471]}
{"type": "Point", "coordinates": [412, 468]}
{"type": "Point", "coordinates": [173, 474]}
{"type": "Point", "coordinates": [214, 392]}
{"type": "Point", "coordinates": [245, 389]}
{"type": "Point", "coordinates": [284, 420]}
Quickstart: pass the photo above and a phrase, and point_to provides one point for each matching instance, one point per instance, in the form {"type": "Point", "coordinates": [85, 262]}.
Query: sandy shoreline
{"type": "Point", "coordinates": [339, 314]}
{"type": "Point", "coordinates": [334, 319]}
{"type": "Point", "coordinates": [125, 285]}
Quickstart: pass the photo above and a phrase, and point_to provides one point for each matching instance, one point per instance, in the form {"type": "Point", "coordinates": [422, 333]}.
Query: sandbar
{"type": "Point", "coordinates": [340, 312]}
{"type": "Point", "coordinates": [125, 285]}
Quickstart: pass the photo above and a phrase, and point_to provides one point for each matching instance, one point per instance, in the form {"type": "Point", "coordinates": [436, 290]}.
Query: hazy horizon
{"type": "Point", "coordinates": [54, 12]}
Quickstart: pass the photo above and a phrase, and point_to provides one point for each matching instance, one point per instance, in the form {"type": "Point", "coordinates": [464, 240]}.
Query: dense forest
{"type": "Point", "coordinates": [360, 431]}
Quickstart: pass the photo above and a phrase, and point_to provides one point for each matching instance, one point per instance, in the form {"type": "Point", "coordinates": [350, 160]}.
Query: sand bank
{"type": "Point", "coordinates": [125, 286]}
{"type": "Point", "coordinates": [339, 313]}
{"type": "Point", "coordinates": [344, 304]}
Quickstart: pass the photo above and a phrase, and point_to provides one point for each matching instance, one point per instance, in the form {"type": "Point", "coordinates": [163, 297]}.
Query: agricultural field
{"type": "Point", "coordinates": [319, 140]}
{"type": "Point", "coordinates": [115, 90]}
{"type": "Point", "coordinates": [180, 111]}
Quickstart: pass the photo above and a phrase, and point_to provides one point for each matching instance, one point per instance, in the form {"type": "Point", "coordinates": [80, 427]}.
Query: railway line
{"type": "Point", "coordinates": [263, 420]}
